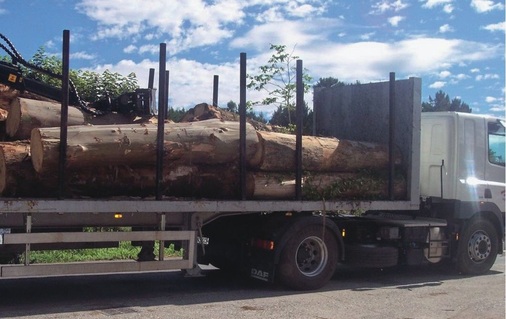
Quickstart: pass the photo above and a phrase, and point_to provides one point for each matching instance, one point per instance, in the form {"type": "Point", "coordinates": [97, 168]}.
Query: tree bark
{"type": "Point", "coordinates": [321, 154]}
{"type": "Point", "coordinates": [209, 142]}
{"type": "Point", "coordinates": [17, 176]}
{"type": "Point", "coordinates": [27, 114]}
{"type": "Point", "coordinates": [6, 96]}
{"type": "Point", "coordinates": [18, 179]}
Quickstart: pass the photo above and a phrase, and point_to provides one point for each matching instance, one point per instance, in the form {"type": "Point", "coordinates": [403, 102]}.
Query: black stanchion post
{"type": "Point", "coordinates": [299, 108]}
{"type": "Point", "coordinates": [391, 137]}
{"type": "Point", "coordinates": [151, 80]}
{"type": "Point", "coordinates": [242, 124]}
{"type": "Point", "coordinates": [64, 113]}
{"type": "Point", "coordinates": [161, 119]}
{"type": "Point", "coordinates": [215, 90]}
{"type": "Point", "coordinates": [166, 100]}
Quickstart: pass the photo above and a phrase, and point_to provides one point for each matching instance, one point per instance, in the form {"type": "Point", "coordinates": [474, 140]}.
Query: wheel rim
{"type": "Point", "coordinates": [479, 246]}
{"type": "Point", "coordinates": [311, 256]}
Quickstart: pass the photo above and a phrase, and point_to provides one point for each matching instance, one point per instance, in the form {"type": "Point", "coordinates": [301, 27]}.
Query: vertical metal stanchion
{"type": "Point", "coordinates": [152, 98]}
{"type": "Point", "coordinates": [161, 119]}
{"type": "Point", "coordinates": [242, 124]}
{"type": "Point", "coordinates": [215, 90]}
{"type": "Point", "coordinates": [391, 137]}
{"type": "Point", "coordinates": [299, 108]}
{"type": "Point", "coordinates": [28, 222]}
{"type": "Point", "coordinates": [64, 113]}
{"type": "Point", "coordinates": [166, 98]}
{"type": "Point", "coordinates": [151, 80]}
{"type": "Point", "coordinates": [161, 243]}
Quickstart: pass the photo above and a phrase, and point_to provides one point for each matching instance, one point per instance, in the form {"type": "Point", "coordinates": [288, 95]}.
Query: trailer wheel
{"type": "Point", "coordinates": [308, 259]}
{"type": "Point", "coordinates": [478, 247]}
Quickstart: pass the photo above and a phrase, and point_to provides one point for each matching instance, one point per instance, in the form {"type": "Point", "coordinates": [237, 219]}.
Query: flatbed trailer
{"type": "Point", "coordinates": [297, 242]}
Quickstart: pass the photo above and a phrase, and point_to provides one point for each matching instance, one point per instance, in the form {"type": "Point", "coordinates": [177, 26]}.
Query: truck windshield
{"type": "Point", "coordinates": [496, 142]}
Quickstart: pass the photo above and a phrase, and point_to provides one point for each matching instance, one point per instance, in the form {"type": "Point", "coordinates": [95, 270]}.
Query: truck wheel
{"type": "Point", "coordinates": [478, 246]}
{"type": "Point", "coordinates": [308, 261]}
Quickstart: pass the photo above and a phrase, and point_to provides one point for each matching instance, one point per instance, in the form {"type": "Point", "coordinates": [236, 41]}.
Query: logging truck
{"type": "Point", "coordinates": [379, 184]}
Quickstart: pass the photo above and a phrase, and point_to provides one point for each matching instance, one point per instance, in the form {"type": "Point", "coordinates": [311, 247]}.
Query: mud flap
{"type": "Point", "coordinates": [261, 265]}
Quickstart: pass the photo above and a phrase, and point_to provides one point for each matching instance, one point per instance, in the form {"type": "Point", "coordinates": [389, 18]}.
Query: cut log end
{"type": "Point", "coordinates": [36, 149]}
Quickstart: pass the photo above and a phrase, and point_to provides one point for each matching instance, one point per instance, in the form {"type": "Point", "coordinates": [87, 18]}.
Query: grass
{"type": "Point", "coordinates": [123, 252]}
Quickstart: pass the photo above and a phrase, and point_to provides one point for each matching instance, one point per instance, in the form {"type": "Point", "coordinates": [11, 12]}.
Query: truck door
{"type": "Point", "coordinates": [494, 167]}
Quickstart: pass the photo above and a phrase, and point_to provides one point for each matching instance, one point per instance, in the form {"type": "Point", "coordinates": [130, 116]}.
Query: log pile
{"type": "Point", "coordinates": [201, 158]}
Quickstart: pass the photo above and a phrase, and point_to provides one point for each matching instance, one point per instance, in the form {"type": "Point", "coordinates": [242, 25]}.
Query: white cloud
{"type": "Point", "coordinates": [488, 76]}
{"type": "Point", "coordinates": [444, 74]}
{"type": "Point", "coordinates": [435, 3]}
{"type": "Point", "coordinates": [394, 21]}
{"type": "Point", "coordinates": [188, 23]}
{"type": "Point", "coordinates": [270, 15]}
{"type": "Point", "coordinates": [448, 8]}
{"type": "Point", "coordinates": [370, 61]}
{"type": "Point", "coordinates": [289, 33]}
{"type": "Point", "coordinates": [82, 56]}
{"type": "Point", "coordinates": [191, 23]}
{"type": "Point", "coordinates": [388, 5]}
{"type": "Point", "coordinates": [130, 49]}
{"type": "Point", "coordinates": [501, 26]}
{"type": "Point", "coordinates": [437, 85]}
{"type": "Point", "coordinates": [295, 9]}
{"type": "Point", "coordinates": [496, 104]}
{"type": "Point", "coordinates": [367, 36]}
{"type": "Point", "coordinates": [445, 28]}
{"type": "Point", "coordinates": [482, 6]}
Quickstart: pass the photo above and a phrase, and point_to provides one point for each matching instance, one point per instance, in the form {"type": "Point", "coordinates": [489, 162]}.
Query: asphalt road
{"type": "Point", "coordinates": [423, 292]}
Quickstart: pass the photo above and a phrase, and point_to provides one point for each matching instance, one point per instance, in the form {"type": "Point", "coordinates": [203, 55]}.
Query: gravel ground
{"type": "Point", "coordinates": [423, 292]}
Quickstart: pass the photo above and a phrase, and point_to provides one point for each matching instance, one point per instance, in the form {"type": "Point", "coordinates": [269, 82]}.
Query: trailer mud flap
{"type": "Point", "coordinates": [262, 266]}
{"type": "Point", "coordinates": [264, 275]}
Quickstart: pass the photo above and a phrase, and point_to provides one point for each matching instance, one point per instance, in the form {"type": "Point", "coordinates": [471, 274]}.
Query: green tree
{"type": "Point", "coordinates": [91, 86]}
{"type": "Point", "coordinates": [280, 117]}
{"type": "Point", "coordinates": [278, 79]}
{"type": "Point", "coordinates": [328, 82]}
{"type": "Point", "coordinates": [232, 106]}
{"type": "Point", "coordinates": [176, 114]}
{"type": "Point", "coordinates": [441, 103]}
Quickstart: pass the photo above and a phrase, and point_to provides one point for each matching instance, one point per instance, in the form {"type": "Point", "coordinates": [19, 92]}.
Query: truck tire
{"type": "Point", "coordinates": [478, 247]}
{"type": "Point", "coordinates": [308, 260]}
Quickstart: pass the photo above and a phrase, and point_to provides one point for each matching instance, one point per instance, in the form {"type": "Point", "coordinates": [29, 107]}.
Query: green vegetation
{"type": "Point", "coordinates": [123, 252]}
{"type": "Point", "coordinates": [441, 103]}
{"type": "Point", "coordinates": [91, 86]}
{"type": "Point", "coordinates": [278, 79]}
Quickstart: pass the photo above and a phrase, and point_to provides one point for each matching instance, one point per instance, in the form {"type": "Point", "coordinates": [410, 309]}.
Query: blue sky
{"type": "Point", "coordinates": [453, 45]}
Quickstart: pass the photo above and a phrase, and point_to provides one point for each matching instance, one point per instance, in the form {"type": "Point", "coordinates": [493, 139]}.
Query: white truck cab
{"type": "Point", "coordinates": [462, 157]}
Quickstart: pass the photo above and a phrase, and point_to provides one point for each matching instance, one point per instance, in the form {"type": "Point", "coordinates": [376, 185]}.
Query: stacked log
{"type": "Point", "coordinates": [26, 114]}
{"type": "Point", "coordinates": [201, 160]}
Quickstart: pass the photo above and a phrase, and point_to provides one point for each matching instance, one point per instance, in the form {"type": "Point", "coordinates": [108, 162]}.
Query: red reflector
{"type": "Point", "coordinates": [262, 244]}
